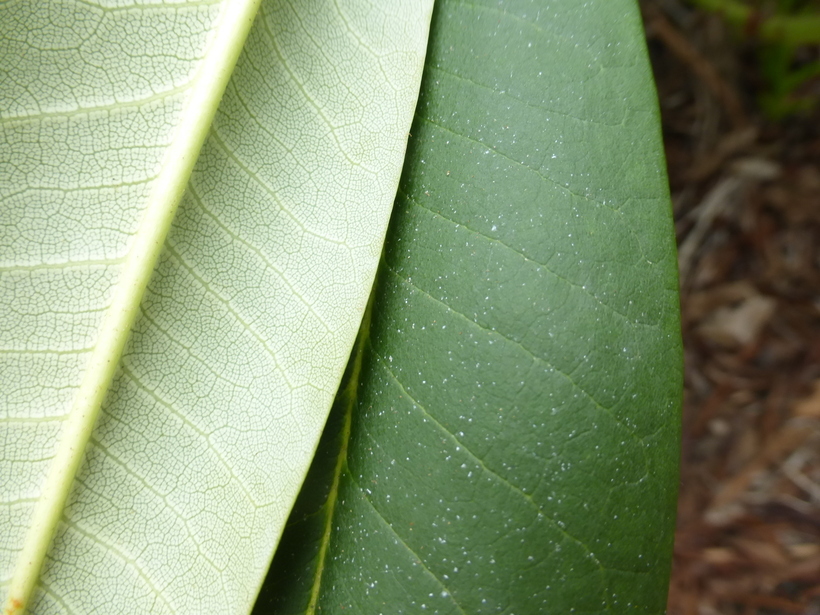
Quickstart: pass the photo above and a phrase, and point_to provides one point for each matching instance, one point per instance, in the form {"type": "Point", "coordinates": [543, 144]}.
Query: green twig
{"type": "Point", "coordinates": [789, 29]}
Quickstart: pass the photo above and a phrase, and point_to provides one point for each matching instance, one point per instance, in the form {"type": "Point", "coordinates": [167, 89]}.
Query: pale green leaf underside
{"type": "Point", "coordinates": [248, 320]}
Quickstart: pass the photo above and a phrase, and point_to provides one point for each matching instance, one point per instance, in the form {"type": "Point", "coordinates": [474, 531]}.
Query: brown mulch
{"type": "Point", "coordinates": [746, 197]}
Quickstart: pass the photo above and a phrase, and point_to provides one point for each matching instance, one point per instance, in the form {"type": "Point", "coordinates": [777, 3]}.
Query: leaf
{"type": "Point", "coordinates": [240, 322]}
{"type": "Point", "coordinates": [507, 441]}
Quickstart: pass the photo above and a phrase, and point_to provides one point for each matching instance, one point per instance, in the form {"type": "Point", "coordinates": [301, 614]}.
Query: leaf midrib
{"type": "Point", "coordinates": [350, 396]}
{"type": "Point", "coordinates": [207, 87]}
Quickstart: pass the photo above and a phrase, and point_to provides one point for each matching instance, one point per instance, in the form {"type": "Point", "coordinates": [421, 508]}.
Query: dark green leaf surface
{"type": "Point", "coordinates": [508, 439]}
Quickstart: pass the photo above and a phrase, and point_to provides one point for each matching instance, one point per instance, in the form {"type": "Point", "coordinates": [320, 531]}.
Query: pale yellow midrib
{"type": "Point", "coordinates": [206, 91]}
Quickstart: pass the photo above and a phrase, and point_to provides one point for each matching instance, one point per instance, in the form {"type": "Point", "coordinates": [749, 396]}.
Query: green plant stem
{"type": "Point", "coordinates": [791, 30]}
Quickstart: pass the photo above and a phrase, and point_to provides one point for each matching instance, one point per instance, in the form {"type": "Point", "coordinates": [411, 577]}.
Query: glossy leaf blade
{"type": "Point", "coordinates": [514, 430]}
{"type": "Point", "coordinates": [214, 410]}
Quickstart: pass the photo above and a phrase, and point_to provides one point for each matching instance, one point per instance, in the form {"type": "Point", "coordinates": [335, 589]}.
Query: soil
{"type": "Point", "coordinates": [746, 197]}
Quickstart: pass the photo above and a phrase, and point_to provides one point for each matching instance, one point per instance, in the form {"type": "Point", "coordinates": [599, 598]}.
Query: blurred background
{"type": "Point", "coordinates": [739, 89]}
